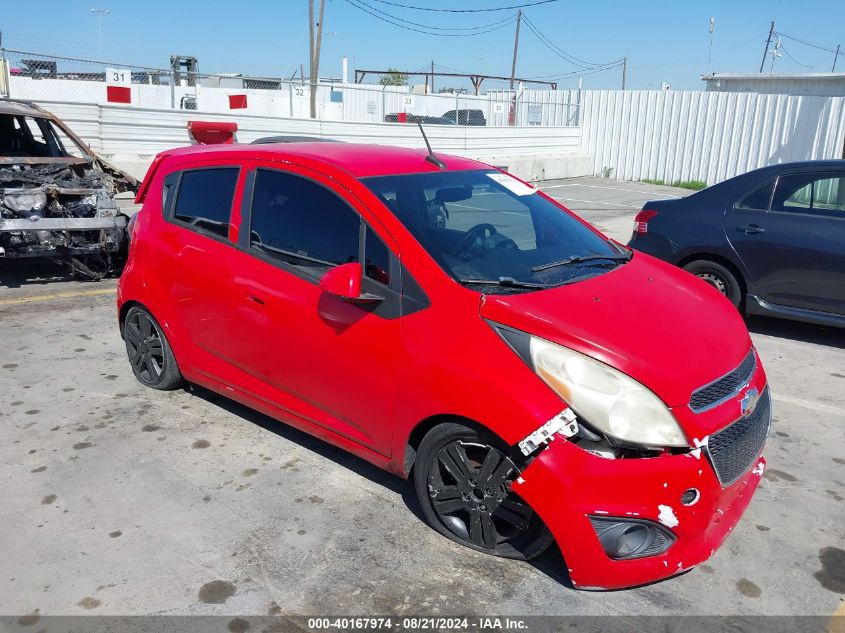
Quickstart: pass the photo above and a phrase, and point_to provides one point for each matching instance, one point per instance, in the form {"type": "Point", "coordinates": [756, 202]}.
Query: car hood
{"type": "Point", "coordinates": [656, 323]}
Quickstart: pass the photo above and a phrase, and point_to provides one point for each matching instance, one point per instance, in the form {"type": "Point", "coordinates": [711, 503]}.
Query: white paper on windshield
{"type": "Point", "coordinates": [512, 184]}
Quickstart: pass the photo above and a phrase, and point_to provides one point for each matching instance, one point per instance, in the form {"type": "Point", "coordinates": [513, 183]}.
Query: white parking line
{"type": "Point", "coordinates": [469, 206]}
{"type": "Point", "coordinates": [809, 404]}
{"type": "Point", "coordinates": [639, 191]}
{"type": "Point", "coordinates": [610, 204]}
{"type": "Point", "coordinates": [466, 206]}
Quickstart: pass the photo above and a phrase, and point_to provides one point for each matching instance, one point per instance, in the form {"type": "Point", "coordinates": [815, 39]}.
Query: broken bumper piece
{"type": "Point", "coordinates": [583, 498]}
{"type": "Point", "coordinates": [63, 224]}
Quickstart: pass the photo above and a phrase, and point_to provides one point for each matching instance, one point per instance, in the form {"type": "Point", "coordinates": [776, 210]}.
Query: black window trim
{"type": "Point", "coordinates": [169, 205]}
{"type": "Point", "coordinates": [802, 214]}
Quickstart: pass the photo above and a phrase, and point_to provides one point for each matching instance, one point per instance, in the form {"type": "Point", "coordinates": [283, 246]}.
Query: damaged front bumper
{"type": "Point", "coordinates": [71, 218]}
{"type": "Point", "coordinates": [677, 498]}
{"type": "Point", "coordinates": [567, 485]}
{"type": "Point", "coordinates": [35, 223]}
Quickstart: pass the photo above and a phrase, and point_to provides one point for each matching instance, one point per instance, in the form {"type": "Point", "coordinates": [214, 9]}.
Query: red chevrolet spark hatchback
{"type": "Point", "coordinates": [452, 324]}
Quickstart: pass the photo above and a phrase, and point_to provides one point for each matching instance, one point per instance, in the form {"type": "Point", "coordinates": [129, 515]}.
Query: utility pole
{"type": "Point", "coordinates": [515, 46]}
{"type": "Point", "coordinates": [835, 57]}
{"type": "Point", "coordinates": [315, 39]}
{"type": "Point", "coordinates": [624, 71]}
{"type": "Point", "coordinates": [768, 42]}
{"type": "Point", "coordinates": [710, 51]}
{"type": "Point", "coordinates": [432, 76]}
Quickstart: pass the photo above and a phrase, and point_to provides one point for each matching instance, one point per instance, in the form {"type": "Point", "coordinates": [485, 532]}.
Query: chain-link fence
{"type": "Point", "coordinates": [37, 77]}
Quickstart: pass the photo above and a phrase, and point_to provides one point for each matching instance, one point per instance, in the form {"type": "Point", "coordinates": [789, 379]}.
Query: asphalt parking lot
{"type": "Point", "coordinates": [116, 499]}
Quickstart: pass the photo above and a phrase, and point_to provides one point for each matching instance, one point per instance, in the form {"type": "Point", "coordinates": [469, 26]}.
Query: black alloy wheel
{"type": "Point", "coordinates": [149, 351]}
{"type": "Point", "coordinates": [463, 479]}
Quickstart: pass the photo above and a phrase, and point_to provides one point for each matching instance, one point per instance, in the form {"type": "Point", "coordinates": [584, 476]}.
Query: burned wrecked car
{"type": "Point", "coordinates": [56, 196]}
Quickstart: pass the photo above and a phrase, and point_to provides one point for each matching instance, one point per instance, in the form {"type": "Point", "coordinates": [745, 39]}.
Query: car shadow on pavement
{"type": "Point", "coordinates": [25, 272]}
{"type": "Point", "coordinates": [797, 331]}
{"type": "Point", "coordinates": [550, 563]}
{"type": "Point", "coordinates": [324, 449]}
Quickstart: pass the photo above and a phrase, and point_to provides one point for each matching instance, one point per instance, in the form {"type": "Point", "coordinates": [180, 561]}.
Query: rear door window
{"type": "Point", "coordinates": [816, 194]}
{"type": "Point", "coordinates": [204, 199]}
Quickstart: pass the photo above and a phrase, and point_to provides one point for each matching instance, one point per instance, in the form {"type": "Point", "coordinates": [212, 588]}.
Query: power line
{"type": "Point", "coordinates": [793, 59]}
{"type": "Point", "coordinates": [579, 73]}
{"type": "Point", "coordinates": [355, 4]}
{"type": "Point", "coordinates": [795, 39]}
{"type": "Point", "coordinates": [452, 70]}
{"type": "Point", "coordinates": [575, 61]}
{"type": "Point", "coordinates": [515, 6]}
{"type": "Point", "coordinates": [548, 44]}
{"type": "Point", "coordinates": [432, 27]}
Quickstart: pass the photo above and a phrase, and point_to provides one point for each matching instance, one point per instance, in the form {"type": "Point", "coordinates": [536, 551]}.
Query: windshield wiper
{"type": "Point", "coordinates": [508, 282]}
{"type": "Point", "coordinates": [577, 259]}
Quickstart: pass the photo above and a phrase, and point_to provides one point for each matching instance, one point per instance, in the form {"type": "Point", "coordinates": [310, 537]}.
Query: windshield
{"type": "Point", "coordinates": [487, 229]}
{"type": "Point", "coordinates": [34, 137]}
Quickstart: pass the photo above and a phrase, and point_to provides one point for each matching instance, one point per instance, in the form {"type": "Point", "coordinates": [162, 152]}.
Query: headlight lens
{"type": "Point", "coordinates": [606, 398]}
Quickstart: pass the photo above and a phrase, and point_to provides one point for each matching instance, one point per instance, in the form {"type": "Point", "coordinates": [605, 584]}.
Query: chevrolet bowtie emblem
{"type": "Point", "coordinates": [749, 402]}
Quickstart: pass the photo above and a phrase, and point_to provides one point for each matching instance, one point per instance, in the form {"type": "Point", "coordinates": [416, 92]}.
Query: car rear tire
{"type": "Point", "coordinates": [462, 477]}
{"type": "Point", "coordinates": [149, 351]}
{"type": "Point", "coordinates": [719, 277]}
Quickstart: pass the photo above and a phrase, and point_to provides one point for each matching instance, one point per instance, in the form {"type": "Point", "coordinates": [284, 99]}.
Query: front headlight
{"type": "Point", "coordinates": [604, 397]}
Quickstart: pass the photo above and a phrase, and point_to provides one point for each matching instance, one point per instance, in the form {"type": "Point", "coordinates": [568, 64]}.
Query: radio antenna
{"type": "Point", "coordinates": [431, 158]}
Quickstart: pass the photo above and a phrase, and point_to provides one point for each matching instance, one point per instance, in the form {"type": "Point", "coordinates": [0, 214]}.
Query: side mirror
{"type": "Point", "coordinates": [344, 281]}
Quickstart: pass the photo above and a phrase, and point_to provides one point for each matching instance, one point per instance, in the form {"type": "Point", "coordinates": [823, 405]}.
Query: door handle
{"type": "Point", "coordinates": [751, 229]}
{"type": "Point", "coordinates": [255, 299]}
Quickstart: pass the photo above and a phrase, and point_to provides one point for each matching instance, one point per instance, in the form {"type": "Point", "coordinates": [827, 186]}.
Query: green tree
{"type": "Point", "coordinates": [393, 78]}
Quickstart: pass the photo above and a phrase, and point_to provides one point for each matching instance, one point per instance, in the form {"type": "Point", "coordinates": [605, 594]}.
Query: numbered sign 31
{"type": "Point", "coordinates": [118, 85]}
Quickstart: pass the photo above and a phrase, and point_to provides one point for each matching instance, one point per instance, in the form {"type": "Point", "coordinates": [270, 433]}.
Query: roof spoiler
{"type": "Point", "coordinates": [212, 132]}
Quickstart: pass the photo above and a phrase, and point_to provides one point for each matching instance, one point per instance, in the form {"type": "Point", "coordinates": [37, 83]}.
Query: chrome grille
{"type": "Point", "coordinates": [720, 390]}
{"type": "Point", "coordinates": [734, 449]}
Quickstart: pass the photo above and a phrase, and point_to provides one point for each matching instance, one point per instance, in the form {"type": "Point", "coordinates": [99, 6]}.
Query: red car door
{"type": "Point", "coordinates": [190, 259]}
{"type": "Point", "coordinates": [330, 362]}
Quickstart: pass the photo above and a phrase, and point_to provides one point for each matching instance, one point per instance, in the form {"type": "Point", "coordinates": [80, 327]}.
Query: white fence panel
{"type": "Point", "coordinates": [145, 132]}
{"type": "Point", "coordinates": [709, 136]}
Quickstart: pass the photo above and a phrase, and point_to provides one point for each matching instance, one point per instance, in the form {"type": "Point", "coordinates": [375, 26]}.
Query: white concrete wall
{"type": "Point", "coordinates": [132, 136]}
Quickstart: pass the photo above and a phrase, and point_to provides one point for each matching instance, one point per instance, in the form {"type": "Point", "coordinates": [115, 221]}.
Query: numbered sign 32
{"type": "Point", "coordinates": [118, 85]}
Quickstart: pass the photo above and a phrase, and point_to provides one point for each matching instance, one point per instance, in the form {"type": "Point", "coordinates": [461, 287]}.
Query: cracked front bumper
{"type": "Point", "coordinates": [566, 484]}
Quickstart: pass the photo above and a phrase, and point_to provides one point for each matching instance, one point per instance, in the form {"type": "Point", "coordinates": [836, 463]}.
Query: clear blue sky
{"type": "Point", "coordinates": [665, 41]}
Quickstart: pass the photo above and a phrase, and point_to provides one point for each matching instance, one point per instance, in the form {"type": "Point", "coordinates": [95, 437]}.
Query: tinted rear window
{"type": "Point", "coordinates": [205, 199]}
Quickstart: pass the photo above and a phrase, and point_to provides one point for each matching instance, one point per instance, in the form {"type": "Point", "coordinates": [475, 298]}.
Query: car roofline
{"type": "Point", "coordinates": [327, 152]}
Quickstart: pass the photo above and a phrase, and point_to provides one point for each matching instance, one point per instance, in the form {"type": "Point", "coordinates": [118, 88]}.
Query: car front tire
{"type": "Point", "coordinates": [462, 477]}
